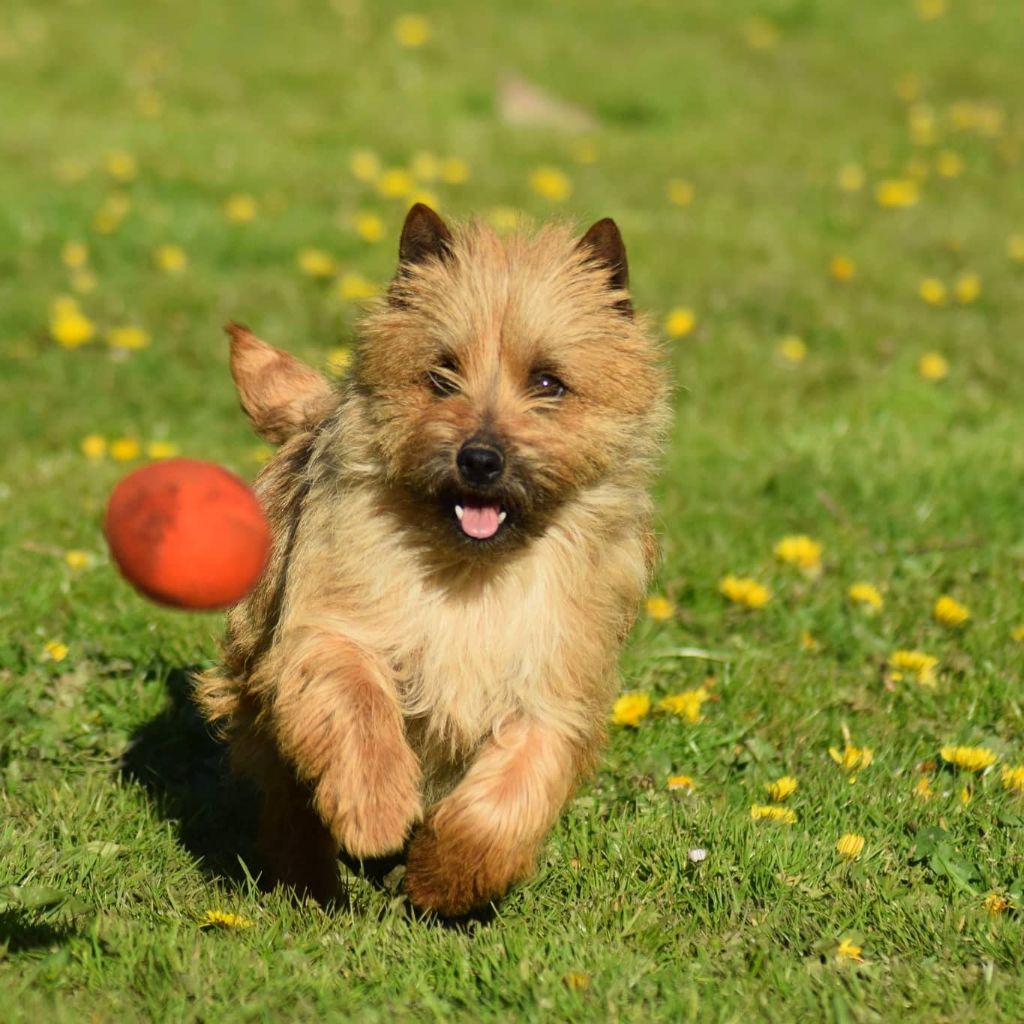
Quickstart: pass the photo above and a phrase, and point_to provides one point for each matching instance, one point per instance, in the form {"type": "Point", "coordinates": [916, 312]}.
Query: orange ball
{"type": "Point", "coordinates": [187, 534]}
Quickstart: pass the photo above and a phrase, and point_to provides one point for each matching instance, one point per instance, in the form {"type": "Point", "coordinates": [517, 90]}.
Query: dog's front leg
{"type": "Point", "coordinates": [486, 833]}
{"type": "Point", "coordinates": [338, 724]}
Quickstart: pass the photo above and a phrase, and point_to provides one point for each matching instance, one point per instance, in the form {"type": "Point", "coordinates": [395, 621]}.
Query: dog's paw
{"type": "Point", "coordinates": [370, 807]}
{"type": "Point", "coordinates": [453, 870]}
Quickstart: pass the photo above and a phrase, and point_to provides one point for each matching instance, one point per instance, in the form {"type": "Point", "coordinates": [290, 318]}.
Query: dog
{"type": "Point", "coordinates": [462, 539]}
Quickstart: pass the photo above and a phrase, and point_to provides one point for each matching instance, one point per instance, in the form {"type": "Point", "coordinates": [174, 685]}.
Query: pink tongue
{"type": "Point", "coordinates": [480, 521]}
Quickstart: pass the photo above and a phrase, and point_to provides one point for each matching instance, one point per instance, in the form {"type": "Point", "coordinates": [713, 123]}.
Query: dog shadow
{"type": "Point", "coordinates": [178, 760]}
{"type": "Point", "coordinates": [183, 767]}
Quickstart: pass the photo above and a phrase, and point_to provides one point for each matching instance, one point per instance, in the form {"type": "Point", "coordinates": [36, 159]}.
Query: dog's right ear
{"type": "Point", "coordinates": [280, 395]}
{"type": "Point", "coordinates": [424, 235]}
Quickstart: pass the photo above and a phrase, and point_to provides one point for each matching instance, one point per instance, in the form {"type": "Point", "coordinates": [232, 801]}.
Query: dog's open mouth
{"type": "Point", "coordinates": [479, 519]}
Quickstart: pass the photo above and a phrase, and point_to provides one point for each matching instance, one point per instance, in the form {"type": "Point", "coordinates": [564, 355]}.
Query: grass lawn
{"type": "Point", "coordinates": [849, 175]}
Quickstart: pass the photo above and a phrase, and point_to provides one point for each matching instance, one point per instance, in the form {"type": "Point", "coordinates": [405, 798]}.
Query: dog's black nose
{"type": "Point", "coordinates": [479, 464]}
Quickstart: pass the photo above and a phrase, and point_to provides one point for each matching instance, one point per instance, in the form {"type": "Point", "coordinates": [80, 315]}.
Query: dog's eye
{"type": "Point", "coordinates": [442, 378]}
{"type": "Point", "coordinates": [546, 385]}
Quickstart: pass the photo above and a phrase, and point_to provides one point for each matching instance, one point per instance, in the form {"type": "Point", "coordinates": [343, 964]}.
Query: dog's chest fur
{"type": "Point", "coordinates": [465, 655]}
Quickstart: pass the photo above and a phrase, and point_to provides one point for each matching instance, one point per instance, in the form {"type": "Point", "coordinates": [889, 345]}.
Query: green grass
{"type": "Point", "coordinates": [117, 829]}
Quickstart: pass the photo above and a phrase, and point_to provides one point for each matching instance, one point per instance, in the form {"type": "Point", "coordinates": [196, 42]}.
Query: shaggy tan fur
{"type": "Point", "coordinates": [388, 669]}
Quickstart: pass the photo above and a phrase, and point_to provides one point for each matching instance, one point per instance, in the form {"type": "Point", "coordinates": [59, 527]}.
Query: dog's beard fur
{"type": "Point", "coordinates": [424, 618]}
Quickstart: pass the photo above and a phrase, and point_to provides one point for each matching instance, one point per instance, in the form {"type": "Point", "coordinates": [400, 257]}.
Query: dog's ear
{"type": "Point", "coordinates": [603, 245]}
{"type": "Point", "coordinates": [424, 235]}
{"type": "Point", "coordinates": [280, 395]}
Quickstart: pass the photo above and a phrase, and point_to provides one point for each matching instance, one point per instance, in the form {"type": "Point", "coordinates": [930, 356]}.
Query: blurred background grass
{"type": "Point", "coordinates": [745, 151]}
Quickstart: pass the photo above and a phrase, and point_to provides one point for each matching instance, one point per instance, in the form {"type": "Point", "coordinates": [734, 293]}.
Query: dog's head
{"type": "Point", "coordinates": [501, 377]}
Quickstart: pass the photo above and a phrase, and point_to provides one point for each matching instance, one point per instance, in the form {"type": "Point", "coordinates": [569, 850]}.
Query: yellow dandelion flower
{"type": "Point", "coordinates": [991, 121]}
{"type": "Point", "coordinates": [369, 227]}
{"type": "Point", "coordinates": [1012, 776]}
{"type": "Point", "coordinates": [923, 789]}
{"type": "Point", "coordinates": [920, 664]}
{"type": "Point", "coordinates": [584, 151]}
{"type": "Point", "coordinates": [83, 282]}
{"type": "Point", "coordinates": [425, 166]}
{"type": "Point", "coordinates": [426, 197]}
{"type": "Point", "coordinates": [77, 560]}
{"type": "Point", "coordinates": [933, 367]}
{"type": "Point", "coordinates": [551, 183]}
{"type": "Point", "coordinates": [994, 903]}
{"type": "Point", "coordinates": [848, 951]}
{"type": "Point", "coordinates": [121, 166]}
{"type": "Point", "coordinates": [241, 208]}
{"type": "Point", "coordinates": [681, 782]}
{"type": "Point", "coordinates": [760, 34]}
{"type": "Point", "coordinates": [792, 349]}
{"type": "Point", "coordinates": [949, 164]}
{"type": "Point", "coordinates": [967, 288]}
{"type": "Point", "coordinates": [54, 650]}
{"type": "Point", "coordinates": [965, 796]}
{"type": "Point", "coordinates": [865, 594]}
{"type": "Point", "coordinates": [411, 30]}
{"type": "Point", "coordinates": [105, 221]}
{"type": "Point", "coordinates": [74, 255]}
{"type": "Point", "coordinates": [851, 177]}
{"type": "Point", "coordinates": [686, 704]}
{"type": "Point", "coordinates": [850, 846]}
{"type": "Point", "coordinates": [921, 125]}
{"type": "Point", "coordinates": [630, 708]}
{"type": "Point", "coordinates": [364, 165]}
{"type": "Point", "coordinates": [933, 291]}
{"type": "Point", "coordinates": [771, 812]}
{"type": "Point", "coordinates": [680, 322]}
{"type": "Point", "coordinates": [897, 193]}
{"type": "Point", "coordinates": [852, 758]}
{"type": "Point", "coordinates": [338, 361]}
{"type": "Point", "coordinates": [125, 449]}
{"type": "Point", "coordinates": [781, 788]}
{"type": "Point", "coordinates": [929, 10]}
{"type": "Point", "coordinates": [149, 103]}
{"type": "Point", "coordinates": [1017, 633]}
{"type": "Point", "coordinates": [354, 287]}
{"type": "Point", "coordinates": [127, 337]}
{"type": "Point", "coordinates": [157, 450]}
{"type": "Point", "coordinates": [801, 551]}
{"type": "Point", "coordinates": [454, 171]}
{"type": "Point", "coordinates": [71, 328]}
{"type": "Point", "coordinates": [576, 980]}
{"type": "Point", "coordinates": [1015, 248]}
{"type": "Point", "coordinates": [659, 608]}
{"type": "Point", "coordinates": [949, 612]}
{"type": "Point", "coordinates": [316, 263]}
{"type": "Point", "coordinates": [62, 305]}
{"type": "Point", "coordinates": [680, 192]}
{"type": "Point", "coordinates": [170, 258]}
{"type": "Point", "coordinates": [973, 759]}
{"type": "Point", "coordinates": [504, 218]}
{"type": "Point", "coordinates": [70, 169]}
{"type": "Point", "coordinates": [744, 591]}
{"type": "Point", "coordinates": [395, 183]}
{"type": "Point", "coordinates": [842, 269]}
{"type": "Point", "coordinates": [908, 88]}
{"type": "Point", "coordinates": [224, 919]}
{"type": "Point", "coordinates": [807, 642]}
{"type": "Point", "coordinates": [94, 447]}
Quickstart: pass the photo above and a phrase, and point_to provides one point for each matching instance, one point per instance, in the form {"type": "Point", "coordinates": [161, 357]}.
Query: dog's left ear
{"type": "Point", "coordinates": [603, 244]}
{"type": "Point", "coordinates": [424, 235]}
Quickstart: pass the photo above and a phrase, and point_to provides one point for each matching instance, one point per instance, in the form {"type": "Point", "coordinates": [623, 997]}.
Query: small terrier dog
{"type": "Point", "coordinates": [462, 538]}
